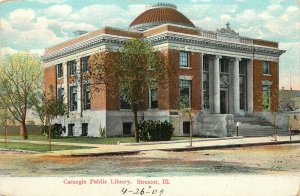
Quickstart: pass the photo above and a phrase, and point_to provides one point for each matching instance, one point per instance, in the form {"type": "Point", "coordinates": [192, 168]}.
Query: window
{"type": "Point", "coordinates": [224, 65]}
{"type": "Point", "coordinates": [73, 98]}
{"type": "Point", "coordinates": [242, 67]}
{"type": "Point", "coordinates": [86, 97]}
{"type": "Point", "coordinates": [85, 129]}
{"type": "Point", "coordinates": [266, 67]}
{"type": "Point", "coordinates": [266, 98]}
{"type": "Point", "coordinates": [127, 128]}
{"type": "Point", "coordinates": [206, 82]}
{"type": "Point", "coordinates": [124, 100]}
{"type": "Point", "coordinates": [71, 129]}
{"type": "Point", "coordinates": [185, 92]}
{"type": "Point", "coordinates": [85, 64]}
{"type": "Point", "coordinates": [153, 98]}
{"type": "Point", "coordinates": [72, 67]}
{"type": "Point", "coordinates": [60, 94]}
{"type": "Point", "coordinates": [183, 59]}
{"type": "Point", "coordinates": [59, 70]}
{"type": "Point", "coordinates": [186, 127]}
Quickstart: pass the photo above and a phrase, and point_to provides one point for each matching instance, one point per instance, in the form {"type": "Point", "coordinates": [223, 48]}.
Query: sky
{"type": "Point", "coordinates": [36, 24]}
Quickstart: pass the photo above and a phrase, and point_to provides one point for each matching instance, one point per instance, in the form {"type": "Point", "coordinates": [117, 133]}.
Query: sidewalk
{"type": "Point", "coordinates": [103, 150]}
{"type": "Point", "coordinates": [180, 145]}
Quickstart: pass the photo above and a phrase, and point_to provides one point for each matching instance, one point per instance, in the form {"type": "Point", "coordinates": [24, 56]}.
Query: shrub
{"type": "Point", "coordinates": [56, 131]}
{"type": "Point", "coordinates": [155, 130]}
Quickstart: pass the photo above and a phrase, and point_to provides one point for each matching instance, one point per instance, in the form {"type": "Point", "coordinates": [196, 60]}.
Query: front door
{"type": "Point", "coordinates": [223, 102]}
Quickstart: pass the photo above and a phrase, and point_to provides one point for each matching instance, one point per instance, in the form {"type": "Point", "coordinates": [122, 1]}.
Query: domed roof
{"type": "Point", "coordinates": [158, 14]}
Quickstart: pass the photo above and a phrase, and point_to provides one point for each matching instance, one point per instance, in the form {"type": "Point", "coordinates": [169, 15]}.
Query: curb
{"type": "Point", "coordinates": [179, 141]}
{"type": "Point", "coordinates": [22, 151]}
{"type": "Point", "coordinates": [230, 146]}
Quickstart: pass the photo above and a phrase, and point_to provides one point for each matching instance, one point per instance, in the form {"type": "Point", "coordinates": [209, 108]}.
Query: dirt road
{"type": "Point", "coordinates": [280, 159]}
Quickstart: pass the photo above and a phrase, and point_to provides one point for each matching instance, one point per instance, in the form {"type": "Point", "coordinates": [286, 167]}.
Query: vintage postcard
{"type": "Point", "coordinates": [142, 97]}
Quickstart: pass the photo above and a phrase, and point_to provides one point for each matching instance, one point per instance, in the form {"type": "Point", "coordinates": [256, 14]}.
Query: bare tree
{"type": "Point", "coordinates": [186, 110]}
{"type": "Point", "coordinates": [20, 79]}
{"type": "Point", "coordinates": [49, 108]}
{"type": "Point", "coordinates": [131, 70]}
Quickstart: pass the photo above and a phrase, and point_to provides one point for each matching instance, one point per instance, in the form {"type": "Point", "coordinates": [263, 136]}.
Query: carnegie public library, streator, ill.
{"type": "Point", "coordinates": [224, 75]}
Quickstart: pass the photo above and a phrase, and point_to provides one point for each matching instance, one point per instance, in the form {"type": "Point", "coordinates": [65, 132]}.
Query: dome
{"type": "Point", "coordinates": [158, 14]}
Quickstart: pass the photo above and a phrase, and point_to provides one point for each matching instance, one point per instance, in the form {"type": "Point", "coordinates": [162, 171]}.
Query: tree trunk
{"type": "Point", "coordinates": [23, 130]}
{"type": "Point", "coordinates": [49, 136]}
{"type": "Point", "coordinates": [5, 134]}
{"type": "Point", "coordinates": [137, 133]}
{"type": "Point", "coordinates": [275, 124]}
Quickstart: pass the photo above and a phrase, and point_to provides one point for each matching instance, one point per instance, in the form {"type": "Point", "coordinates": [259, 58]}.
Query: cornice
{"type": "Point", "coordinates": [103, 39]}
{"type": "Point", "coordinates": [214, 44]}
{"type": "Point", "coordinates": [169, 37]}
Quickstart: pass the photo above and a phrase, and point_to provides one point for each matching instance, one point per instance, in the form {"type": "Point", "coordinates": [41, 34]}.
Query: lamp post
{"type": "Point", "coordinates": [237, 128]}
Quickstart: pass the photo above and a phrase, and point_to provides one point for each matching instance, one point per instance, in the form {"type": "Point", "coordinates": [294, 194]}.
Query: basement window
{"type": "Point", "coordinates": [186, 127]}
{"type": "Point", "coordinates": [127, 128]}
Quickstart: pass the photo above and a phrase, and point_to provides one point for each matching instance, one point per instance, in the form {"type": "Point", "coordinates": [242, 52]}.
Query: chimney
{"type": "Point", "coordinates": [79, 32]}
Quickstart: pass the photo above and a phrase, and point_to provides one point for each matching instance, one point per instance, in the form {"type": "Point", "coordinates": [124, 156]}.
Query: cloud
{"type": "Point", "coordinates": [277, 1]}
{"type": "Point", "coordinates": [108, 15]}
{"type": "Point", "coordinates": [290, 65]}
{"type": "Point", "coordinates": [58, 11]}
{"type": "Point", "coordinates": [22, 19]}
{"type": "Point", "coordinates": [204, 1]}
{"type": "Point", "coordinates": [50, 1]}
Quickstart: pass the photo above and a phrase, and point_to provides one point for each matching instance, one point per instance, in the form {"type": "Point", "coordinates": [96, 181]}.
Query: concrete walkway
{"type": "Point", "coordinates": [183, 145]}
{"type": "Point", "coordinates": [102, 150]}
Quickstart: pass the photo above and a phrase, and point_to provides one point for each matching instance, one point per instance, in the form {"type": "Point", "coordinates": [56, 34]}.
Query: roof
{"type": "Point", "coordinates": [292, 93]}
{"type": "Point", "coordinates": [90, 35]}
{"type": "Point", "coordinates": [158, 14]}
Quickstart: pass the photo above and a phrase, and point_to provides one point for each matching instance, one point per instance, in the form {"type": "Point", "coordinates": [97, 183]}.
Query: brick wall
{"type": "Point", "coordinates": [166, 28]}
{"type": "Point", "coordinates": [50, 79]}
{"type": "Point", "coordinates": [265, 43]}
{"type": "Point", "coordinates": [169, 97]}
{"type": "Point", "coordinates": [258, 77]}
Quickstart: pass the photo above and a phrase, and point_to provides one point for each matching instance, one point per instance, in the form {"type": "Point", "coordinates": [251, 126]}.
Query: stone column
{"type": "Point", "coordinates": [65, 84]}
{"type": "Point", "coordinates": [211, 82]}
{"type": "Point", "coordinates": [250, 86]}
{"type": "Point", "coordinates": [201, 82]}
{"type": "Point", "coordinates": [236, 86]}
{"type": "Point", "coordinates": [217, 84]}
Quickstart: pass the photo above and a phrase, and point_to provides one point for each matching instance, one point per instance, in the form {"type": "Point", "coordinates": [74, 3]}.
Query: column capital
{"type": "Point", "coordinates": [218, 56]}
{"type": "Point", "coordinates": [238, 59]}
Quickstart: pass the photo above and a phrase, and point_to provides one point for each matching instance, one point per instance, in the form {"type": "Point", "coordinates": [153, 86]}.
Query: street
{"type": "Point", "coordinates": [269, 160]}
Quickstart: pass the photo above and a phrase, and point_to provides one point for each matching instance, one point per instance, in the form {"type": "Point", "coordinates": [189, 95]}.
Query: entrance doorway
{"type": "Point", "coordinates": [224, 101]}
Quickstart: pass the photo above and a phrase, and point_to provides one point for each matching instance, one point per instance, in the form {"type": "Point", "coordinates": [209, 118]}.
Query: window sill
{"type": "Point", "coordinates": [267, 75]}
{"type": "Point", "coordinates": [86, 110]}
{"type": "Point", "coordinates": [60, 77]}
{"type": "Point", "coordinates": [185, 67]}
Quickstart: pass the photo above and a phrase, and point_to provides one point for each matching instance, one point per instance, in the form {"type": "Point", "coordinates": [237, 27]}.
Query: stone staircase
{"type": "Point", "coordinates": [254, 126]}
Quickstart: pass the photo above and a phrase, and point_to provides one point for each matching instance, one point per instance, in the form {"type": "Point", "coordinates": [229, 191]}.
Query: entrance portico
{"type": "Point", "coordinates": [231, 85]}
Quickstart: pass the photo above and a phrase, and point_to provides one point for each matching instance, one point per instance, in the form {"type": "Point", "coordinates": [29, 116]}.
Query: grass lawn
{"type": "Point", "coordinates": [37, 147]}
{"type": "Point", "coordinates": [89, 140]}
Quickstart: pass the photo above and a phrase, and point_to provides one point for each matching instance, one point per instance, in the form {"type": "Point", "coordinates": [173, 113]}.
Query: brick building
{"type": "Point", "coordinates": [222, 73]}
